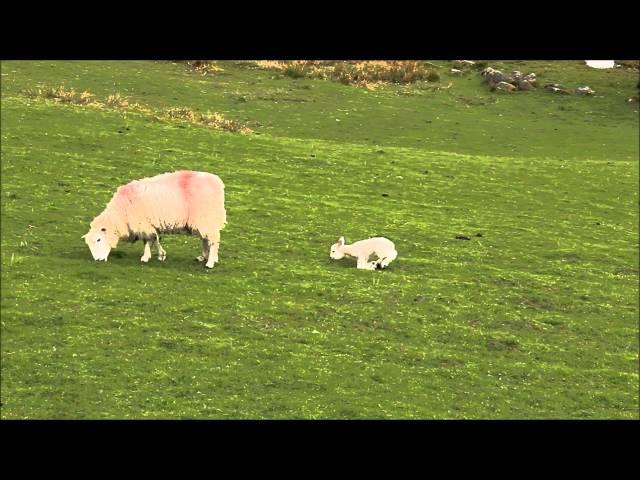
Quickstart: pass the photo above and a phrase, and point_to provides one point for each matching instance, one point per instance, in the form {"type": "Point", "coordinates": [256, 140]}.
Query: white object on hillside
{"type": "Point", "coordinates": [600, 63]}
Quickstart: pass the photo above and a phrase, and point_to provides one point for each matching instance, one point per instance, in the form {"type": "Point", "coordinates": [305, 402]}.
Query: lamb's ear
{"type": "Point", "coordinates": [341, 240]}
{"type": "Point", "coordinates": [82, 237]}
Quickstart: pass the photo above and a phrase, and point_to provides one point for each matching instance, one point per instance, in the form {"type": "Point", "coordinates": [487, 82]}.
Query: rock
{"type": "Point", "coordinates": [631, 64]}
{"type": "Point", "coordinates": [504, 86]}
{"type": "Point", "coordinates": [584, 91]}
{"type": "Point", "coordinates": [557, 88]}
{"type": "Point", "coordinates": [531, 78]}
{"type": "Point", "coordinates": [463, 63]}
{"type": "Point", "coordinates": [525, 85]}
{"type": "Point", "coordinates": [492, 76]}
{"type": "Point", "coordinates": [455, 71]}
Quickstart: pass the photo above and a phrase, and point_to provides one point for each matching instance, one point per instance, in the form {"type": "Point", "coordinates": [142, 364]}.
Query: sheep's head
{"type": "Point", "coordinates": [101, 238]}
{"type": "Point", "coordinates": [336, 249]}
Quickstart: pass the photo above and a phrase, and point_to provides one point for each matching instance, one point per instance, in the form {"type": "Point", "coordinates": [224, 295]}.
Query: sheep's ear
{"type": "Point", "coordinates": [341, 240]}
{"type": "Point", "coordinates": [82, 237]}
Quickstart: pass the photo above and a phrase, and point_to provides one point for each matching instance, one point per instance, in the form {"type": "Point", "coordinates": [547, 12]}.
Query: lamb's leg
{"type": "Point", "coordinates": [162, 254]}
{"type": "Point", "coordinates": [214, 243]}
{"type": "Point", "coordinates": [365, 264]}
{"type": "Point", "coordinates": [388, 259]}
{"type": "Point", "coordinates": [205, 251]}
{"type": "Point", "coordinates": [147, 251]}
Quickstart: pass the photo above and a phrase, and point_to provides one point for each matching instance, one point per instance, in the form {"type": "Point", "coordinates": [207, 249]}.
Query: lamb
{"type": "Point", "coordinates": [182, 201]}
{"type": "Point", "coordinates": [381, 247]}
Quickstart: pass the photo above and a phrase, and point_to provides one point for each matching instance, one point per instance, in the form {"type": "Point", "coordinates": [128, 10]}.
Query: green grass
{"type": "Point", "coordinates": [535, 318]}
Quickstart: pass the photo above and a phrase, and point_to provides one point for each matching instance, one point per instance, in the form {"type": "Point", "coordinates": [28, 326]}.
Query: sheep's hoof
{"type": "Point", "coordinates": [162, 258]}
{"type": "Point", "coordinates": [144, 259]}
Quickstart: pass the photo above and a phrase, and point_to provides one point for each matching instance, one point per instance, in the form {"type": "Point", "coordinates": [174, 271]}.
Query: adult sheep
{"type": "Point", "coordinates": [182, 201]}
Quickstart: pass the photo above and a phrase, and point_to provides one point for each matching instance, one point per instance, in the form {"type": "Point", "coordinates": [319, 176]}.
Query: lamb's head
{"type": "Point", "coordinates": [101, 238]}
{"type": "Point", "coordinates": [337, 249]}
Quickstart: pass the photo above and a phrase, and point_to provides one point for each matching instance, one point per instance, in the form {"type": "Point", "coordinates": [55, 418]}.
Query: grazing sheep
{"type": "Point", "coordinates": [381, 247]}
{"type": "Point", "coordinates": [182, 201]}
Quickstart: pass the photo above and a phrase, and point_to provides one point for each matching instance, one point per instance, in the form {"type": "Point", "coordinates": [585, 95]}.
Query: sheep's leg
{"type": "Point", "coordinates": [147, 251]}
{"type": "Point", "coordinates": [365, 264]}
{"type": "Point", "coordinates": [205, 251]}
{"type": "Point", "coordinates": [214, 243]}
{"type": "Point", "coordinates": [162, 253]}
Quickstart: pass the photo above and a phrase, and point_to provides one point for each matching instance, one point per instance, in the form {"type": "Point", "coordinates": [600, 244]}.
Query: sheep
{"type": "Point", "coordinates": [381, 247]}
{"type": "Point", "coordinates": [182, 201]}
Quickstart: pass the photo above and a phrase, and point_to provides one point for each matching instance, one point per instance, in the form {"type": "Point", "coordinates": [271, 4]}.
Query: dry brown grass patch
{"type": "Point", "coordinates": [116, 101]}
{"type": "Point", "coordinates": [366, 74]}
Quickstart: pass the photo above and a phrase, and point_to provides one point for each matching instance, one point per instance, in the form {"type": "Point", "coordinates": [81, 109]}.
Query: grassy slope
{"type": "Point", "coordinates": [535, 319]}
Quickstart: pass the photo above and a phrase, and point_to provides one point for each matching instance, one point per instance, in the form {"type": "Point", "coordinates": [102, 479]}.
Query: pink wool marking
{"type": "Point", "coordinates": [184, 182]}
{"type": "Point", "coordinates": [126, 192]}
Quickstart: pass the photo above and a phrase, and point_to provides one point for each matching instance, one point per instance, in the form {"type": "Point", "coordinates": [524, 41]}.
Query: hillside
{"type": "Point", "coordinates": [535, 316]}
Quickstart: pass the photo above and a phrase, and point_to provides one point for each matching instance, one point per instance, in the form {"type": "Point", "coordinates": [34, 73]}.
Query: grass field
{"type": "Point", "coordinates": [534, 317]}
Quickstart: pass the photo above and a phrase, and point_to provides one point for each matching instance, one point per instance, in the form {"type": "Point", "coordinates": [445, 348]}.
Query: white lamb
{"type": "Point", "coordinates": [183, 201]}
{"type": "Point", "coordinates": [363, 250]}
